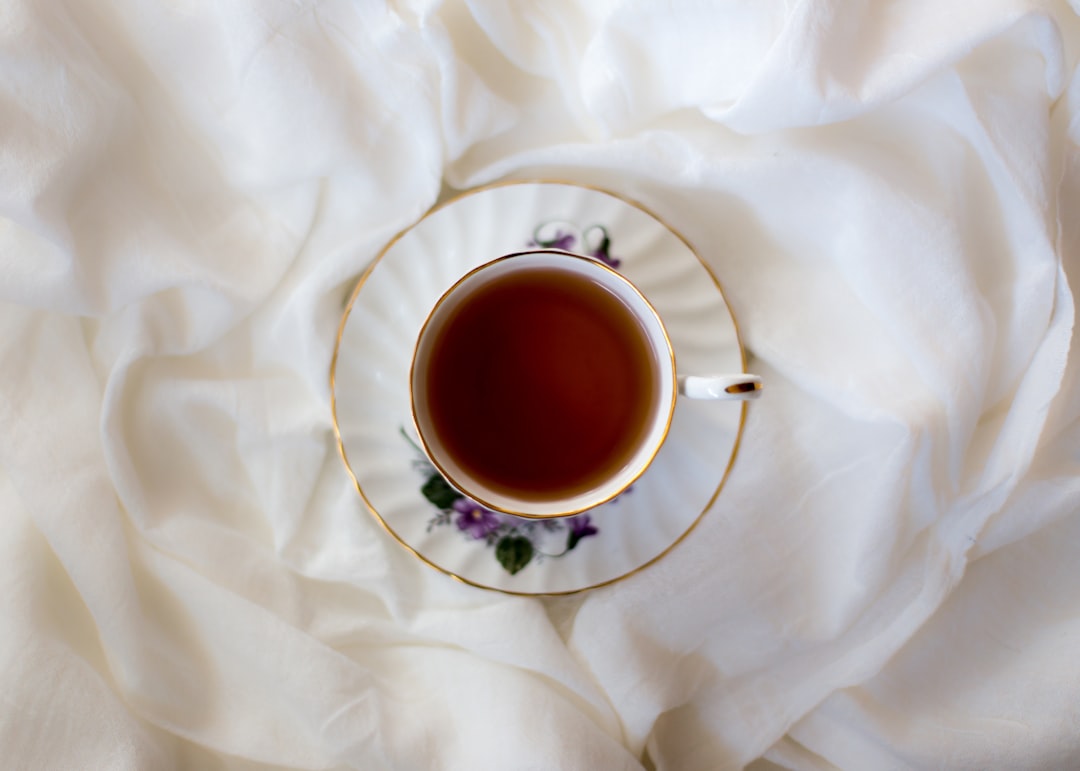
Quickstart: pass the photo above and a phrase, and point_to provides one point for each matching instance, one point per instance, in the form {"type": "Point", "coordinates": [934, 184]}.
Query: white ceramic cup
{"type": "Point", "coordinates": [670, 384]}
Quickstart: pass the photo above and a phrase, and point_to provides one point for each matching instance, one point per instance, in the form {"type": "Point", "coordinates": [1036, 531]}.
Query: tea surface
{"type": "Point", "coordinates": [542, 383]}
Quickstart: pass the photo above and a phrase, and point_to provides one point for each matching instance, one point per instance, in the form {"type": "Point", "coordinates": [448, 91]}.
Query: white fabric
{"type": "Point", "coordinates": [888, 191]}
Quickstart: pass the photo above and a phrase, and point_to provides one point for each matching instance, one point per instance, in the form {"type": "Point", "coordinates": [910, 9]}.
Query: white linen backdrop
{"type": "Point", "coordinates": [888, 190]}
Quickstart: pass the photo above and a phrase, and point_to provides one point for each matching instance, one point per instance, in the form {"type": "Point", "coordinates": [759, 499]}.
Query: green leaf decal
{"type": "Point", "coordinates": [513, 552]}
{"type": "Point", "coordinates": [439, 492]}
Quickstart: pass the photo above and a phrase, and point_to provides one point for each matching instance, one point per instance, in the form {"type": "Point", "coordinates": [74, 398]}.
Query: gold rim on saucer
{"type": "Point", "coordinates": [366, 274]}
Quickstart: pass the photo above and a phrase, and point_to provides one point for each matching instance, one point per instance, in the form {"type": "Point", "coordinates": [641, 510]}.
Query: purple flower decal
{"type": "Point", "coordinates": [604, 257]}
{"type": "Point", "coordinates": [602, 251]}
{"type": "Point", "coordinates": [581, 526]}
{"type": "Point", "coordinates": [474, 519]}
{"type": "Point", "coordinates": [560, 240]}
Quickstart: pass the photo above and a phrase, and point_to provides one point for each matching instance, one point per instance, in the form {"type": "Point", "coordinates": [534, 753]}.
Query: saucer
{"type": "Point", "coordinates": [369, 383]}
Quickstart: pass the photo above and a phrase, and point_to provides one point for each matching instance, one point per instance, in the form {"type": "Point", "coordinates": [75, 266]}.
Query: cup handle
{"type": "Point", "coordinates": [741, 387]}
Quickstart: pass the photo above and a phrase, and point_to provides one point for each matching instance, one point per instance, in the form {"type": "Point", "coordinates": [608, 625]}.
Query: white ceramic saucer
{"type": "Point", "coordinates": [369, 379]}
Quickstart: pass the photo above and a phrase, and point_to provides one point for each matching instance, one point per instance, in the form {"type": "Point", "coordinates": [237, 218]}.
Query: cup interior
{"type": "Point", "coordinates": [661, 409]}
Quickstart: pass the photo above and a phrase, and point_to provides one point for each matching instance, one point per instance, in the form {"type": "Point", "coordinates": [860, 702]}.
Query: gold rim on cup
{"type": "Point", "coordinates": [449, 476]}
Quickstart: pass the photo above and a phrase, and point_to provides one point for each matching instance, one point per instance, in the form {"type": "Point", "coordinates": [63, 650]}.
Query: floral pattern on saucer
{"type": "Point", "coordinates": [516, 541]}
{"type": "Point", "coordinates": [550, 235]}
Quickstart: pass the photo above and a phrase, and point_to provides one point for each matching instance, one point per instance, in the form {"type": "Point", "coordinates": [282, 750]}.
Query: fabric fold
{"type": "Point", "coordinates": [188, 193]}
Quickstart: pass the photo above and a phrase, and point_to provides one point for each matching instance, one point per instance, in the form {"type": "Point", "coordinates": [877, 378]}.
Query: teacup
{"type": "Point", "coordinates": [543, 383]}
